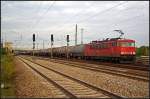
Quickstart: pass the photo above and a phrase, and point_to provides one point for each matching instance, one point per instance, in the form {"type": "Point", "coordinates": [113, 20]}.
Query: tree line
{"type": "Point", "coordinates": [142, 51]}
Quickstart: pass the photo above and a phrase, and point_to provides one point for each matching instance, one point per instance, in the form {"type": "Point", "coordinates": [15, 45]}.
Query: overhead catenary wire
{"type": "Point", "coordinates": [128, 18]}
{"type": "Point", "coordinates": [36, 12]}
{"type": "Point", "coordinates": [129, 27]}
{"type": "Point", "coordinates": [76, 15]}
{"type": "Point", "coordinates": [104, 11]}
{"type": "Point", "coordinates": [110, 9]}
{"type": "Point", "coordinates": [40, 6]}
{"type": "Point", "coordinates": [123, 21]}
{"type": "Point", "coordinates": [38, 21]}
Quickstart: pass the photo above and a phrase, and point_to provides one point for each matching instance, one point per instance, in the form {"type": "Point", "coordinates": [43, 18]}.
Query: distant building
{"type": "Point", "coordinates": [8, 46]}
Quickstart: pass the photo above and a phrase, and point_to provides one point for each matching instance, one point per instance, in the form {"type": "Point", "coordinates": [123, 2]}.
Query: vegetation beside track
{"type": "Point", "coordinates": [142, 51]}
{"type": "Point", "coordinates": [7, 74]}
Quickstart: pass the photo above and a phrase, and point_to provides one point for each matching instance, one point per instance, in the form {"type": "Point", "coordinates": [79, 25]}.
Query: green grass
{"type": "Point", "coordinates": [7, 73]}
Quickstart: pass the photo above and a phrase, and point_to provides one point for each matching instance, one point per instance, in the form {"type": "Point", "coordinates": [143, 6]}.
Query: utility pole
{"type": "Point", "coordinates": [52, 41]}
{"type": "Point", "coordinates": [37, 45]}
{"type": "Point", "coordinates": [76, 36]}
{"type": "Point", "coordinates": [67, 46]}
{"type": "Point", "coordinates": [82, 35]}
{"type": "Point", "coordinates": [43, 44]}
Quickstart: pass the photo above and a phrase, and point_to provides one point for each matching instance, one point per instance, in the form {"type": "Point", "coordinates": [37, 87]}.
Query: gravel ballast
{"type": "Point", "coordinates": [120, 85]}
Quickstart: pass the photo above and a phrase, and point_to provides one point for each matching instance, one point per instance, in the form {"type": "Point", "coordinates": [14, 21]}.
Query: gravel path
{"type": "Point", "coordinates": [120, 85]}
{"type": "Point", "coordinates": [29, 84]}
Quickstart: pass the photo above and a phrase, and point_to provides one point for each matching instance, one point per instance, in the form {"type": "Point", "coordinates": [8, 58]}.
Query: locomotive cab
{"type": "Point", "coordinates": [126, 49]}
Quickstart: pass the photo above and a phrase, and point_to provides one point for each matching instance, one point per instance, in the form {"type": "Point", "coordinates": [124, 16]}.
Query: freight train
{"type": "Point", "coordinates": [114, 49]}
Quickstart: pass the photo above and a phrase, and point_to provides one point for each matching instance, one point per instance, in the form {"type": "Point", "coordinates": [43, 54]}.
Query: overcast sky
{"type": "Point", "coordinates": [20, 19]}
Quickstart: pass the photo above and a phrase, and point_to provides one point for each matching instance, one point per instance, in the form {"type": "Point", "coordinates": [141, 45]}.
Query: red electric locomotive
{"type": "Point", "coordinates": [114, 49]}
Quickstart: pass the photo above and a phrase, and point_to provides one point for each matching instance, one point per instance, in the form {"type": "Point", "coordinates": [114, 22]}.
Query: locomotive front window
{"type": "Point", "coordinates": [114, 44]}
{"type": "Point", "coordinates": [132, 44]}
{"type": "Point", "coordinates": [126, 44]}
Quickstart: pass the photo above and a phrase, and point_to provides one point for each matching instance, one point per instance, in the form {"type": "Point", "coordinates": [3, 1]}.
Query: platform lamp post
{"type": "Point", "coordinates": [33, 43]}
{"type": "Point", "coordinates": [67, 46]}
{"type": "Point", "coordinates": [52, 42]}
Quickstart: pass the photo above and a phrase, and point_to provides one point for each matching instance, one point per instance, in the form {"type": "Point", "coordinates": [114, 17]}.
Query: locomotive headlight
{"type": "Point", "coordinates": [133, 52]}
{"type": "Point", "coordinates": [130, 52]}
{"type": "Point", "coordinates": [122, 52]}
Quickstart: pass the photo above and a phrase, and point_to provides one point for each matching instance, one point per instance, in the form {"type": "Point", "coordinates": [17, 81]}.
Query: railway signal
{"type": "Point", "coordinates": [33, 37]}
{"type": "Point", "coordinates": [33, 43]}
{"type": "Point", "coordinates": [52, 41]}
{"type": "Point", "coordinates": [67, 38]}
{"type": "Point", "coordinates": [67, 45]}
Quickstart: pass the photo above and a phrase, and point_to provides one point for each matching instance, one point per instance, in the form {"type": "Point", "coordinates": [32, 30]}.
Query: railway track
{"type": "Point", "coordinates": [71, 87]}
{"type": "Point", "coordinates": [130, 66]}
{"type": "Point", "coordinates": [121, 65]}
{"type": "Point", "coordinates": [113, 71]}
